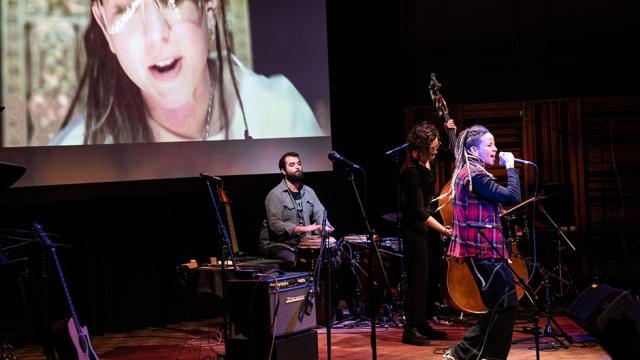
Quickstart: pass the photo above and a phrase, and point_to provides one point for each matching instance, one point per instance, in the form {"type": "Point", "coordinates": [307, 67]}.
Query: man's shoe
{"type": "Point", "coordinates": [413, 337]}
{"type": "Point", "coordinates": [426, 330]}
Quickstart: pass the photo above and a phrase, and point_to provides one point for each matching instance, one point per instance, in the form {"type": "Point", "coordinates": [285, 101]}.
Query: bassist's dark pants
{"type": "Point", "coordinates": [422, 251]}
{"type": "Point", "coordinates": [490, 337]}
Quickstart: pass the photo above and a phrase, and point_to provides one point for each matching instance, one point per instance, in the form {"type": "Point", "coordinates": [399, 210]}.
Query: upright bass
{"type": "Point", "coordinates": [459, 287]}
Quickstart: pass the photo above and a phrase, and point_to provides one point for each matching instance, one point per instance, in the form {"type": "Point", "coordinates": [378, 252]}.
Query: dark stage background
{"type": "Point", "coordinates": [127, 238]}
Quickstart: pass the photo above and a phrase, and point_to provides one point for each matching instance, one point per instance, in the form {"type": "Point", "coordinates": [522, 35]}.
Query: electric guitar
{"type": "Point", "coordinates": [78, 334]}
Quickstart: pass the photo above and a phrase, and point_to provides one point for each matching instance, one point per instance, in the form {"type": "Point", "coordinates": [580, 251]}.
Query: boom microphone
{"type": "Point", "coordinates": [335, 157]}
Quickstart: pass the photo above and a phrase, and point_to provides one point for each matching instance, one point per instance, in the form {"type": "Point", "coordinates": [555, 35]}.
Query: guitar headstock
{"type": "Point", "coordinates": [43, 236]}
{"type": "Point", "coordinates": [436, 97]}
{"type": "Point", "coordinates": [223, 195]}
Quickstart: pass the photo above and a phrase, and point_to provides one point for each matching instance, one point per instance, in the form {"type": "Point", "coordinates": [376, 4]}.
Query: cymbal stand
{"type": "Point", "coordinates": [399, 300]}
{"type": "Point", "coordinates": [550, 321]}
{"type": "Point", "coordinates": [560, 235]}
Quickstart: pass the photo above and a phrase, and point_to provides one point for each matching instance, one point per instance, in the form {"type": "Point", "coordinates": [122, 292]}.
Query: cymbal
{"type": "Point", "coordinates": [542, 197]}
{"type": "Point", "coordinates": [393, 217]}
{"type": "Point", "coordinates": [533, 198]}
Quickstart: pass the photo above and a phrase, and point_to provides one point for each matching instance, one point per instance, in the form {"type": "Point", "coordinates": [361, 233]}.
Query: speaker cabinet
{"type": "Point", "coordinates": [599, 304]}
{"type": "Point", "coordinates": [299, 346]}
{"type": "Point", "coordinates": [612, 316]}
{"type": "Point", "coordinates": [272, 306]}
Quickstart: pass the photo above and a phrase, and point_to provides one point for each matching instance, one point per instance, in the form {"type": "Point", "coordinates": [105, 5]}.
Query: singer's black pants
{"type": "Point", "coordinates": [490, 337]}
{"type": "Point", "coordinates": [422, 251]}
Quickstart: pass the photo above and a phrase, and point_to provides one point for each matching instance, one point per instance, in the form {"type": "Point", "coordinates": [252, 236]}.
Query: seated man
{"type": "Point", "coordinates": [293, 212]}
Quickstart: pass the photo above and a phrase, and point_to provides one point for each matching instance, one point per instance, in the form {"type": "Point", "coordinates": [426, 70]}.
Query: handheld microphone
{"type": "Point", "coordinates": [335, 157]}
{"type": "Point", "coordinates": [527, 162]}
{"type": "Point", "coordinates": [307, 305]}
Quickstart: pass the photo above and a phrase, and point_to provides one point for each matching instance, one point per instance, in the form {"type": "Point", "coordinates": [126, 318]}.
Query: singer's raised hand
{"type": "Point", "coordinates": [507, 159]}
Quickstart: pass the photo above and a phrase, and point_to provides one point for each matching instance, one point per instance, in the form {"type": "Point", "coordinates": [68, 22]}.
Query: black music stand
{"type": "Point", "coordinates": [9, 174]}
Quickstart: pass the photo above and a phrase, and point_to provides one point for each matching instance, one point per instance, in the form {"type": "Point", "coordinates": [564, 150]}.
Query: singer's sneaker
{"type": "Point", "coordinates": [448, 355]}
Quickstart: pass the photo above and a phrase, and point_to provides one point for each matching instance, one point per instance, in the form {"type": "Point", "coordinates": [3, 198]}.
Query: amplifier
{"type": "Point", "coordinates": [300, 346]}
{"type": "Point", "coordinates": [272, 305]}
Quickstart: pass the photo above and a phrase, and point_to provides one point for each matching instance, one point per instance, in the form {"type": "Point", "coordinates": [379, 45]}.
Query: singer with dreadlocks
{"type": "Point", "coordinates": [476, 236]}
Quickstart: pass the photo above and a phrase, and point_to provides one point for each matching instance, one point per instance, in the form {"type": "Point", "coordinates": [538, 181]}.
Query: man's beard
{"type": "Point", "coordinates": [295, 177]}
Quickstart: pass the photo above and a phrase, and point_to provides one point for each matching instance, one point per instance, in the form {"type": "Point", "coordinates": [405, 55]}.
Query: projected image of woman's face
{"type": "Point", "coordinates": [161, 45]}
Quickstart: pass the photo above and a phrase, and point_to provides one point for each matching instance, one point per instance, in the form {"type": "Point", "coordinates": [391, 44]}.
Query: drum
{"type": "Point", "coordinates": [314, 242]}
{"type": "Point", "coordinates": [309, 251]}
{"type": "Point", "coordinates": [391, 244]}
{"type": "Point", "coordinates": [514, 228]}
{"type": "Point", "coordinates": [355, 271]}
{"type": "Point", "coordinates": [355, 239]}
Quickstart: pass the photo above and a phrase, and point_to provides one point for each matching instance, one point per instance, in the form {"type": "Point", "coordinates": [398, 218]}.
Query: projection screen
{"type": "Point", "coordinates": [173, 88]}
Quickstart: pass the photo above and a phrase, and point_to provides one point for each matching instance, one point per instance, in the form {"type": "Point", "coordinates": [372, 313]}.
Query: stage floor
{"type": "Point", "coordinates": [202, 340]}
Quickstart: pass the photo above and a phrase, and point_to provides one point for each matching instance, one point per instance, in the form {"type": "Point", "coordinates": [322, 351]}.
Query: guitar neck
{"type": "Point", "coordinates": [67, 293]}
{"type": "Point", "coordinates": [451, 134]}
{"type": "Point", "coordinates": [232, 229]}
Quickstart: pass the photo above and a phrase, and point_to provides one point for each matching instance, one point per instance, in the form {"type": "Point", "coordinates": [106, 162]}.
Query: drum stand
{"type": "Point", "coordinates": [357, 316]}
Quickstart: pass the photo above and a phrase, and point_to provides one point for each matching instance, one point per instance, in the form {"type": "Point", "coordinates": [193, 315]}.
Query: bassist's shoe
{"type": "Point", "coordinates": [412, 336]}
{"type": "Point", "coordinates": [433, 334]}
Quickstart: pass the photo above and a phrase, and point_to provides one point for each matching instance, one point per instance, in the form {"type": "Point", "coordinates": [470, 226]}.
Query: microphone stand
{"type": "Point", "coordinates": [372, 248]}
{"type": "Point", "coordinates": [328, 304]}
{"type": "Point", "coordinates": [225, 251]}
{"type": "Point", "coordinates": [530, 294]}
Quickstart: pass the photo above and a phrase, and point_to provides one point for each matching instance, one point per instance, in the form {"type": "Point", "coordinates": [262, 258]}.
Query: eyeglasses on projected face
{"type": "Point", "coordinates": [127, 16]}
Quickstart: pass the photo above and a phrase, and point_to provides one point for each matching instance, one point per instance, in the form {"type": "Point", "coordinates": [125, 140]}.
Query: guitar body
{"type": "Point", "coordinates": [461, 290]}
{"type": "Point", "coordinates": [71, 344]}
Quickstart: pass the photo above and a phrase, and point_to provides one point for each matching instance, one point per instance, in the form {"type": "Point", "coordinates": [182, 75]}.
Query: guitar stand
{"type": "Point", "coordinates": [226, 251]}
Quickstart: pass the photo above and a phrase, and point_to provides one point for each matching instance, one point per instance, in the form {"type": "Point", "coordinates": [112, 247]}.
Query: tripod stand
{"type": "Point", "coordinates": [546, 283]}
{"type": "Point", "coordinates": [548, 329]}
